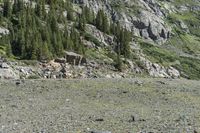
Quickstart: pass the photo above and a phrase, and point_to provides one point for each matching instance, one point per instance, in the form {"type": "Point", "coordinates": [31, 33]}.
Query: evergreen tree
{"type": "Point", "coordinates": [34, 51]}
{"type": "Point", "coordinates": [118, 61]}
{"type": "Point", "coordinates": [105, 25]}
{"type": "Point", "coordinates": [9, 50]}
{"type": "Point", "coordinates": [44, 53]}
{"type": "Point", "coordinates": [99, 19]}
{"type": "Point", "coordinates": [53, 24]}
{"type": "Point", "coordinates": [126, 47]}
{"type": "Point", "coordinates": [7, 9]}
{"type": "Point", "coordinates": [36, 35]}
{"type": "Point", "coordinates": [70, 44]}
{"type": "Point", "coordinates": [88, 14]}
{"type": "Point", "coordinates": [38, 9]}
{"type": "Point", "coordinates": [123, 40]}
{"type": "Point", "coordinates": [70, 15]}
{"type": "Point", "coordinates": [82, 22]}
{"type": "Point", "coordinates": [102, 21]}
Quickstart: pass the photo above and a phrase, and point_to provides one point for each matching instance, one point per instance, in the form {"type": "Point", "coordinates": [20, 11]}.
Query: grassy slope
{"type": "Point", "coordinates": [182, 50]}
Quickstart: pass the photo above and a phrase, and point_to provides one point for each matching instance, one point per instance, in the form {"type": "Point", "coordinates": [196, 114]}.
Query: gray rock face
{"type": "Point", "coordinates": [173, 72]}
{"type": "Point", "coordinates": [74, 58]}
{"type": "Point", "coordinates": [156, 70]}
{"type": "Point", "coordinates": [4, 31]}
{"type": "Point", "coordinates": [147, 23]}
{"type": "Point", "coordinates": [4, 65]}
{"type": "Point", "coordinates": [153, 26]}
{"type": "Point", "coordinates": [8, 74]}
{"type": "Point", "coordinates": [104, 39]}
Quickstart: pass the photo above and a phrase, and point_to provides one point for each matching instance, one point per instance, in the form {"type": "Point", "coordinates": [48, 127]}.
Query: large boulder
{"type": "Point", "coordinates": [60, 60]}
{"type": "Point", "coordinates": [173, 72]}
{"type": "Point", "coordinates": [54, 66]}
{"type": "Point", "coordinates": [4, 65]}
{"type": "Point", "coordinates": [157, 70]}
{"type": "Point", "coordinates": [103, 38]}
{"type": "Point", "coordinates": [3, 31]}
{"type": "Point", "coordinates": [75, 59]}
{"type": "Point", "coordinates": [154, 69]}
{"type": "Point", "coordinates": [8, 74]}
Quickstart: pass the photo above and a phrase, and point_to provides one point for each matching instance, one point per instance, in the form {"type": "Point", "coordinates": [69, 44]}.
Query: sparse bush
{"type": "Point", "coordinates": [33, 77]}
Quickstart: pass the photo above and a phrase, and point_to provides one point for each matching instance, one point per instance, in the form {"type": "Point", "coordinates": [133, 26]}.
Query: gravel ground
{"type": "Point", "coordinates": [87, 106]}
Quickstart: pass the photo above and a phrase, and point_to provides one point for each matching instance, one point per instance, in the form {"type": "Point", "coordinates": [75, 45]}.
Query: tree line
{"type": "Point", "coordinates": [39, 29]}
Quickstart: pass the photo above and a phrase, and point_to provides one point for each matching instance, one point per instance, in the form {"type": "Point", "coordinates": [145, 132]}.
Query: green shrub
{"type": "Point", "coordinates": [33, 77]}
{"type": "Point", "coordinates": [90, 38]}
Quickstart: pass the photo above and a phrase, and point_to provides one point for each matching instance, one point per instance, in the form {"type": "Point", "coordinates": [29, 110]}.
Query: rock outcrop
{"type": "Point", "coordinates": [3, 31]}
{"type": "Point", "coordinates": [7, 72]}
{"type": "Point", "coordinates": [74, 59]}
{"type": "Point", "coordinates": [146, 22]}
{"type": "Point", "coordinates": [156, 70]}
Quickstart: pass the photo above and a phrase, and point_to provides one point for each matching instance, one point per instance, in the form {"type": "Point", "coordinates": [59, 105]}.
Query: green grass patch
{"type": "Point", "coordinates": [189, 67]}
{"type": "Point", "coordinates": [157, 54]}
{"type": "Point", "coordinates": [91, 38]}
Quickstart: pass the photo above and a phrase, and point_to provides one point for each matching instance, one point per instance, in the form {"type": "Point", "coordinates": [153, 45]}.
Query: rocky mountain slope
{"type": "Point", "coordinates": [165, 36]}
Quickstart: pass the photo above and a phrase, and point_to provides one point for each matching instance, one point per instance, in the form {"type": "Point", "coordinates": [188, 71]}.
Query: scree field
{"type": "Point", "coordinates": [100, 106]}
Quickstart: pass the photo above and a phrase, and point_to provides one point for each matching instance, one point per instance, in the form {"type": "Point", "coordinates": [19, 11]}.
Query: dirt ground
{"type": "Point", "coordinates": [143, 105]}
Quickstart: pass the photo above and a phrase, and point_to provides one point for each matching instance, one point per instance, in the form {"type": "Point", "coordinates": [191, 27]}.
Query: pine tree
{"type": "Point", "coordinates": [44, 53]}
{"type": "Point", "coordinates": [70, 15]}
{"type": "Point", "coordinates": [7, 9]}
{"type": "Point", "coordinates": [34, 51]}
{"type": "Point", "coordinates": [88, 14]}
{"type": "Point", "coordinates": [127, 40]}
{"type": "Point", "coordinates": [99, 20]}
{"type": "Point", "coordinates": [105, 25]}
{"type": "Point", "coordinates": [118, 60]}
{"type": "Point", "coordinates": [102, 22]}
{"type": "Point", "coordinates": [59, 46]}
{"type": "Point", "coordinates": [53, 24]}
{"type": "Point", "coordinates": [19, 43]}
{"type": "Point", "coordinates": [82, 22]}
{"type": "Point", "coordinates": [9, 50]}
{"type": "Point", "coordinates": [38, 9]}
{"type": "Point", "coordinates": [70, 44]}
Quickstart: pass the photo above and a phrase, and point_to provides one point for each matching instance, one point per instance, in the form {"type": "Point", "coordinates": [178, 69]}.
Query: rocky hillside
{"type": "Point", "coordinates": [160, 38]}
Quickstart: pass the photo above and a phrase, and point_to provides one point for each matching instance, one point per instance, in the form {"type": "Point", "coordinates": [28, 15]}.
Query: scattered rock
{"type": "Point", "coordinates": [17, 82]}
{"type": "Point", "coordinates": [156, 70]}
{"type": "Point", "coordinates": [99, 132]}
{"type": "Point", "coordinates": [108, 76]}
{"type": "Point", "coordinates": [99, 119]}
{"type": "Point", "coordinates": [195, 131]}
{"type": "Point", "coordinates": [60, 60]}
{"type": "Point", "coordinates": [4, 65]}
{"type": "Point", "coordinates": [161, 82]}
{"type": "Point", "coordinates": [132, 119]}
{"type": "Point", "coordinates": [54, 65]}
{"type": "Point", "coordinates": [139, 83]}
{"type": "Point", "coordinates": [8, 74]}
{"type": "Point", "coordinates": [142, 120]}
{"type": "Point", "coordinates": [173, 72]}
